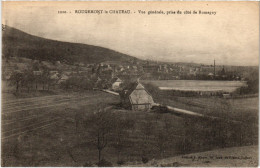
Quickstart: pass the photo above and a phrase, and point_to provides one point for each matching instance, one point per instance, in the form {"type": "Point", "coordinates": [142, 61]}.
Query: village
{"type": "Point", "coordinates": [104, 74]}
{"type": "Point", "coordinates": [24, 75]}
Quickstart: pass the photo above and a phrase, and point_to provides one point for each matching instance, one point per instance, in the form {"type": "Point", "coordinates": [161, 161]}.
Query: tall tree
{"type": "Point", "coordinates": [45, 76]}
{"type": "Point", "coordinates": [16, 79]}
{"type": "Point", "coordinates": [100, 125]}
{"type": "Point", "coordinates": [27, 79]}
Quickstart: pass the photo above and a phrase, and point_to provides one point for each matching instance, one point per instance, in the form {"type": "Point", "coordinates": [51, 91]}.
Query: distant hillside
{"type": "Point", "coordinates": [20, 44]}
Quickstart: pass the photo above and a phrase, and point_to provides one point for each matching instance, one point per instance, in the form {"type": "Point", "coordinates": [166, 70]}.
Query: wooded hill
{"type": "Point", "coordinates": [17, 43]}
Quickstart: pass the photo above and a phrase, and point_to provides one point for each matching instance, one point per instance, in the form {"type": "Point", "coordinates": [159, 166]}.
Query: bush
{"type": "Point", "coordinates": [104, 163]}
{"type": "Point", "coordinates": [120, 162]}
{"type": "Point", "coordinates": [78, 83]}
{"type": "Point", "coordinates": [145, 159]}
{"type": "Point", "coordinates": [87, 164]}
{"type": "Point", "coordinates": [252, 88]}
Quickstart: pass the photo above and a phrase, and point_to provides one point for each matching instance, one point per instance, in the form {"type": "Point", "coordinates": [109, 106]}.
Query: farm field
{"type": "Point", "coordinates": [51, 130]}
{"type": "Point", "coordinates": [37, 124]}
{"type": "Point", "coordinates": [240, 115]}
{"type": "Point", "coordinates": [238, 109]}
{"type": "Point", "coordinates": [197, 85]}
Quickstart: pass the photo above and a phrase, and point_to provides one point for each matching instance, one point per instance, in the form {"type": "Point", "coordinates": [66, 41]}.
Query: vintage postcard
{"type": "Point", "coordinates": [130, 84]}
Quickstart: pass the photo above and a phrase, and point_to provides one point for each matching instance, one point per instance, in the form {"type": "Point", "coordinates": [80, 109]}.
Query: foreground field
{"type": "Point", "coordinates": [246, 156]}
{"type": "Point", "coordinates": [33, 128]}
{"type": "Point", "coordinates": [54, 130]}
{"type": "Point", "coordinates": [51, 131]}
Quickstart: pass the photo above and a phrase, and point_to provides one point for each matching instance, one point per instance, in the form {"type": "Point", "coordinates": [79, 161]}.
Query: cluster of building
{"type": "Point", "coordinates": [177, 71]}
{"type": "Point", "coordinates": [111, 74]}
{"type": "Point", "coordinates": [146, 69]}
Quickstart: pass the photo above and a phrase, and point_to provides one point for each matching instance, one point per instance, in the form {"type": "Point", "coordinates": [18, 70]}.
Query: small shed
{"type": "Point", "coordinates": [116, 82]}
{"type": "Point", "coordinates": [136, 97]}
{"type": "Point", "coordinates": [63, 78]}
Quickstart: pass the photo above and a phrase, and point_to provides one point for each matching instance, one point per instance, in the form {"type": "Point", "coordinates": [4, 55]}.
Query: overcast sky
{"type": "Point", "coordinates": [231, 37]}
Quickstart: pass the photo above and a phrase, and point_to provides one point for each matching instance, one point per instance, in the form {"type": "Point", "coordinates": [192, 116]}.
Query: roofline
{"type": "Point", "coordinates": [138, 89]}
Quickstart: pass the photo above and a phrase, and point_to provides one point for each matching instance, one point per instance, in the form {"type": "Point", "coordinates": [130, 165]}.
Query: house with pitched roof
{"type": "Point", "coordinates": [136, 97]}
{"type": "Point", "coordinates": [116, 82]}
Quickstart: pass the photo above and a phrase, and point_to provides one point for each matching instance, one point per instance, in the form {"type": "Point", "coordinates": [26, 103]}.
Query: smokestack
{"type": "Point", "coordinates": [214, 69]}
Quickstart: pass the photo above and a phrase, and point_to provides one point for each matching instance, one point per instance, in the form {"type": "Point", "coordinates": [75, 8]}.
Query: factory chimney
{"type": "Point", "coordinates": [214, 69]}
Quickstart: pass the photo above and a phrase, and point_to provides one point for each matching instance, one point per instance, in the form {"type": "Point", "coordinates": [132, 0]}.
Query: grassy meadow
{"type": "Point", "coordinates": [67, 139]}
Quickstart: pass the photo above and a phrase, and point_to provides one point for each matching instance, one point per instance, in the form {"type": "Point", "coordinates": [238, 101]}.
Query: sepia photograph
{"type": "Point", "coordinates": [130, 84]}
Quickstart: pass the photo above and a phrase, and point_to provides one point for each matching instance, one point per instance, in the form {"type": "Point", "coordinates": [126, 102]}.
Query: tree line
{"type": "Point", "coordinates": [28, 79]}
{"type": "Point", "coordinates": [40, 77]}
